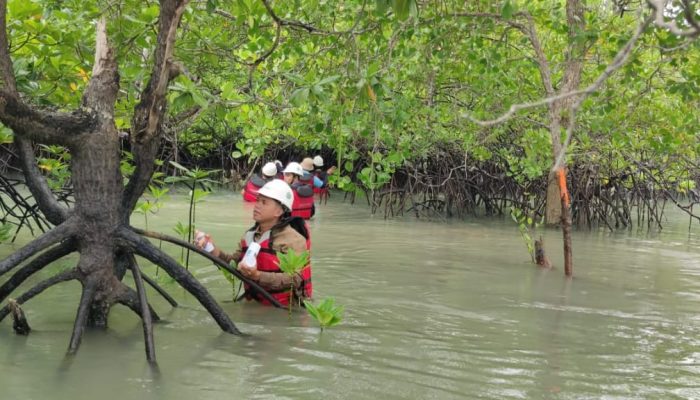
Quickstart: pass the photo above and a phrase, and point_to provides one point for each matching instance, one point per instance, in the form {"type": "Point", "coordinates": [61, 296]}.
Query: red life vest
{"type": "Point", "coordinates": [250, 192]}
{"type": "Point", "coordinates": [267, 261]}
{"type": "Point", "coordinates": [303, 205]}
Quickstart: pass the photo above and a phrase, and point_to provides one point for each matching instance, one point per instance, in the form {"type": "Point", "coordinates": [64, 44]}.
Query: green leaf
{"type": "Point", "coordinates": [508, 10]}
{"type": "Point", "coordinates": [299, 97]}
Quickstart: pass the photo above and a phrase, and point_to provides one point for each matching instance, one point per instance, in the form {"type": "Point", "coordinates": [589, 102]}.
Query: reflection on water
{"type": "Point", "coordinates": [434, 310]}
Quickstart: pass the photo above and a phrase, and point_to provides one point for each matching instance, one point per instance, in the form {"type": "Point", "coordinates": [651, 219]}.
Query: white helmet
{"type": "Point", "coordinates": [294, 168]}
{"type": "Point", "coordinates": [269, 169]}
{"type": "Point", "coordinates": [318, 161]}
{"type": "Point", "coordinates": [279, 190]}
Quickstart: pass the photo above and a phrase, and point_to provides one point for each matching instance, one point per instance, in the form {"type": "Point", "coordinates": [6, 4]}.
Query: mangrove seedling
{"type": "Point", "coordinates": [524, 222]}
{"type": "Point", "coordinates": [326, 313]}
{"type": "Point", "coordinates": [292, 263]}
{"type": "Point", "coordinates": [192, 178]}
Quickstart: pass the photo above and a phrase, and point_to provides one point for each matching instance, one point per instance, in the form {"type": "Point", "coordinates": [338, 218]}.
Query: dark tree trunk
{"type": "Point", "coordinates": [97, 227]}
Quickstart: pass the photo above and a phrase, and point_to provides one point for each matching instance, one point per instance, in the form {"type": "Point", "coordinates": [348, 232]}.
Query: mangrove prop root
{"type": "Point", "coordinates": [19, 320]}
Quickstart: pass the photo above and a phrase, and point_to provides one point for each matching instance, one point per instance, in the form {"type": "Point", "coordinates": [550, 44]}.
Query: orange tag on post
{"type": "Point", "coordinates": [562, 186]}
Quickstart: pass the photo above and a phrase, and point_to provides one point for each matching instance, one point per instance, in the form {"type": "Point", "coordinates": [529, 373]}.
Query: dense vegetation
{"type": "Point", "coordinates": [387, 90]}
{"type": "Point", "coordinates": [566, 110]}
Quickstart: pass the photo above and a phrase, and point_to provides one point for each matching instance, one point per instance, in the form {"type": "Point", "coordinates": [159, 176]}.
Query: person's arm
{"type": "Point", "coordinates": [228, 257]}
{"type": "Point", "coordinates": [318, 182]}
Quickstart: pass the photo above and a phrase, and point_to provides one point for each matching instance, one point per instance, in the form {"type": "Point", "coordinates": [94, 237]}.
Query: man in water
{"type": "Point", "coordinates": [275, 230]}
{"type": "Point", "coordinates": [304, 206]}
{"type": "Point", "coordinates": [250, 191]}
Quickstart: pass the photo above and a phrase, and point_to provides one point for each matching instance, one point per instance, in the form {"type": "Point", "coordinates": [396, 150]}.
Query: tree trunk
{"type": "Point", "coordinates": [97, 226]}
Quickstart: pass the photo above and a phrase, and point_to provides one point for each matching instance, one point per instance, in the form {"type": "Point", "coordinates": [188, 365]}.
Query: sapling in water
{"type": "Point", "coordinates": [326, 313]}
{"type": "Point", "coordinates": [292, 263]}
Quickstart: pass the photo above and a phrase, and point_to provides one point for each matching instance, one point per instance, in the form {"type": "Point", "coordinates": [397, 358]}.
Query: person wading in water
{"type": "Point", "coordinates": [275, 230]}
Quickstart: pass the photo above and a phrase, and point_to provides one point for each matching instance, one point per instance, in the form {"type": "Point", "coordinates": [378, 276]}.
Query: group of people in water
{"type": "Point", "coordinates": [284, 199]}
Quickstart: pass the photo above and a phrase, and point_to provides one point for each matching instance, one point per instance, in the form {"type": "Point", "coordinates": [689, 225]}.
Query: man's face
{"type": "Point", "coordinates": [266, 210]}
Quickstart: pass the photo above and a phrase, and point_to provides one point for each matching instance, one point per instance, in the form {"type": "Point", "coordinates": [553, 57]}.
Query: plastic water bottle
{"type": "Point", "coordinates": [209, 246]}
{"type": "Point", "coordinates": [250, 257]}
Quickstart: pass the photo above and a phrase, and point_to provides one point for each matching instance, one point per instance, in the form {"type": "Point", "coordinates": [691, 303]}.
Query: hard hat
{"type": "Point", "coordinates": [294, 168]}
{"type": "Point", "coordinates": [279, 190]}
{"type": "Point", "coordinates": [308, 164]}
{"type": "Point", "coordinates": [269, 169]}
{"type": "Point", "coordinates": [318, 161]}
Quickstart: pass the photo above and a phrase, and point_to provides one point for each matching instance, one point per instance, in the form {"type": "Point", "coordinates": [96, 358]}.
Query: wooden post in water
{"type": "Point", "coordinates": [565, 222]}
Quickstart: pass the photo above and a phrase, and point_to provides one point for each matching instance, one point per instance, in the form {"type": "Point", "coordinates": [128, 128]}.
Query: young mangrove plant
{"type": "Point", "coordinates": [326, 313]}
{"type": "Point", "coordinates": [192, 178]}
{"type": "Point", "coordinates": [524, 223]}
{"type": "Point", "coordinates": [292, 263]}
{"type": "Point", "coordinates": [152, 203]}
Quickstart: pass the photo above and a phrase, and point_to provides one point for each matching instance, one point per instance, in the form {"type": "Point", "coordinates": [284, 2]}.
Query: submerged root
{"type": "Point", "coordinates": [19, 320]}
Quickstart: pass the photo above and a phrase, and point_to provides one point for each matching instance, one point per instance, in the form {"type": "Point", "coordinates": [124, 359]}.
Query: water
{"type": "Point", "coordinates": [434, 310]}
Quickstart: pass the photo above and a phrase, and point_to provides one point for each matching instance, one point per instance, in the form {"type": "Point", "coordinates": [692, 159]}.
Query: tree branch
{"type": "Point", "coordinates": [57, 234]}
{"type": "Point", "coordinates": [619, 60]}
{"type": "Point", "coordinates": [36, 182]}
{"type": "Point", "coordinates": [145, 312]}
{"type": "Point", "coordinates": [81, 317]}
{"type": "Point", "coordinates": [660, 6]}
{"type": "Point", "coordinates": [34, 266]}
{"type": "Point", "coordinates": [160, 290]}
{"type": "Point", "coordinates": [217, 261]}
{"type": "Point", "coordinates": [101, 92]}
{"type": "Point", "coordinates": [144, 248]}
{"type": "Point", "coordinates": [130, 299]}
{"type": "Point", "coordinates": [40, 287]}
{"type": "Point", "coordinates": [148, 114]}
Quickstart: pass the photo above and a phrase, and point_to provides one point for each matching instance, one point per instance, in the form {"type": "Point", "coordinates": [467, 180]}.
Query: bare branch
{"type": "Point", "coordinates": [145, 312]}
{"type": "Point", "coordinates": [40, 287]}
{"type": "Point", "coordinates": [130, 299]}
{"type": "Point", "coordinates": [617, 63]}
{"type": "Point", "coordinates": [44, 197]}
{"type": "Point", "coordinates": [218, 262]}
{"type": "Point", "coordinates": [37, 264]}
{"type": "Point", "coordinates": [57, 234]}
{"type": "Point", "coordinates": [160, 290]}
{"type": "Point", "coordinates": [101, 92]}
{"type": "Point", "coordinates": [144, 248]}
{"type": "Point", "coordinates": [659, 6]}
{"type": "Point", "coordinates": [619, 60]}
{"type": "Point", "coordinates": [148, 115]}
{"type": "Point", "coordinates": [81, 317]}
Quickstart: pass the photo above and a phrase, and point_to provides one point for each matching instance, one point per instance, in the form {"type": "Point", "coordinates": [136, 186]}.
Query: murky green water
{"type": "Point", "coordinates": [434, 310]}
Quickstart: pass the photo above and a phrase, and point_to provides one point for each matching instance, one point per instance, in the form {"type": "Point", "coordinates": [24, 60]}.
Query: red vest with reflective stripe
{"type": "Point", "coordinates": [250, 192]}
{"type": "Point", "coordinates": [303, 205]}
{"type": "Point", "coordinates": [267, 261]}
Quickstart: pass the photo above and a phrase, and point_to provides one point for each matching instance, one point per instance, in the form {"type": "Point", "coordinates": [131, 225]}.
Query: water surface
{"type": "Point", "coordinates": [434, 310]}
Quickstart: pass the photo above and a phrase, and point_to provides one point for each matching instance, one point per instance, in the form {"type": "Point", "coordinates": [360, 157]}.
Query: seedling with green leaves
{"type": "Point", "coordinates": [151, 205]}
{"type": "Point", "coordinates": [327, 314]}
{"type": "Point", "coordinates": [292, 263]}
{"type": "Point", "coordinates": [524, 222]}
{"type": "Point", "coordinates": [192, 178]}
